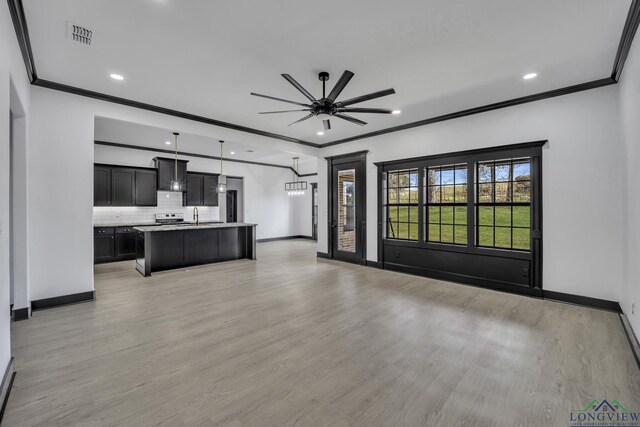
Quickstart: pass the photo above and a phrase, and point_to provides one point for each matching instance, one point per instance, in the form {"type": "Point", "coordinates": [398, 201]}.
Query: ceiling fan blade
{"type": "Point", "coordinates": [340, 85]}
{"type": "Point", "coordinates": [299, 87]}
{"type": "Point", "coordinates": [365, 110]}
{"type": "Point", "coordinates": [302, 119]}
{"type": "Point", "coordinates": [280, 99]}
{"type": "Point", "coordinates": [283, 111]}
{"type": "Point", "coordinates": [363, 98]}
{"type": "Point", "coordinates": [327, 124]}
{"type": "Point", "coordinates": [350, 119]}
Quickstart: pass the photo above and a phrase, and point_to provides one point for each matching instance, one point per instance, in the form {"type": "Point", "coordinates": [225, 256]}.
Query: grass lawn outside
{"type": "Point", "coordinates": [448, 224]}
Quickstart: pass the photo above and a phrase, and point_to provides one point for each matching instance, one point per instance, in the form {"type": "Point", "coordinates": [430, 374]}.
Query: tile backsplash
{"type": "Point", "coordinates": [168, 202]}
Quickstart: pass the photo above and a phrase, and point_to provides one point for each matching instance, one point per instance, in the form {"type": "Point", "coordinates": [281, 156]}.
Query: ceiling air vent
{"type": "Point", "coordinates": [79, 34]}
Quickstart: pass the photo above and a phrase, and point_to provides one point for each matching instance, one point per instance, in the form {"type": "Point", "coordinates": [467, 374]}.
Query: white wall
{"type": "Point", "coordinates": [265, 201]}
{"type": "Point", "coordinates": [302, 209]}
{"type": "Point", "coordinates": [582, 180]}
{"type": "Point", "coordinates": [12, 71]}
{"type": "Point", "coordinates": [630, 118]}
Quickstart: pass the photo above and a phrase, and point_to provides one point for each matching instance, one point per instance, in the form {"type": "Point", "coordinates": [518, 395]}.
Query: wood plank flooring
{"type": "Point", "coordinates": [291, 340]}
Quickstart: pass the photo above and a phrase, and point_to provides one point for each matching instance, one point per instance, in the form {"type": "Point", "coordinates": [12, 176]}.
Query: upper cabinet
{"type": "Point", "coordinates": [201, 190]}
{"type": "Point", "coordinates": [146, 193]}
{"type": "Point", "coordinates": [122, 183]}
{"type": "Point", "coordinates": [166, 173]}
{"type": "Point", "coordinates": [122, 186]}
{"type": "Point", "coordinates": [101, 185]}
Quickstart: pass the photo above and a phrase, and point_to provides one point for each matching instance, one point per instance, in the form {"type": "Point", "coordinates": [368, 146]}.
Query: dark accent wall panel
{"type": "Point", "coordinates": [506, 271]}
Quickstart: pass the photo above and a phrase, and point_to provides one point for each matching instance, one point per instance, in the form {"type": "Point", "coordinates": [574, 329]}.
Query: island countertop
{"type": "Point", "coordinates": [190, 226]}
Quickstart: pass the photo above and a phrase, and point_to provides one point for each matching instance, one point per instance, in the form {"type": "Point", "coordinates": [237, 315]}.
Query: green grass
{"type": "Point", "coordinates": [448, 224]}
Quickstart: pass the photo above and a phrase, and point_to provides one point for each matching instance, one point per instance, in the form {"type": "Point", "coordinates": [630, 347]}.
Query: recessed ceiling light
{"type": "Point", "coordinates": [320, 133]}
{"type": "Point", "coordinates": [232, 152]}
{"type": "Point", "coordinates": [396, 112]}
{"type": "Point", "coordinates": [116, 76]}
{"type": "Point", "coordinates": [168, 142]}
{"type": "Point", "coordinates": [530, 76]}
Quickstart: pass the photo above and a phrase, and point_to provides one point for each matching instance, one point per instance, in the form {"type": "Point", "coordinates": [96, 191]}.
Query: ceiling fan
{"type": "Point", "coordinates": [327, 107]}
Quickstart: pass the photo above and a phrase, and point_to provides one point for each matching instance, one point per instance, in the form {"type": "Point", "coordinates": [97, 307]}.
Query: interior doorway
{"type": "Point", "coordinates": [17, 165]}
{"type": "Point", "coordinates": [232, 206]}
{"type": "Point", "coordinates": [11, 213]}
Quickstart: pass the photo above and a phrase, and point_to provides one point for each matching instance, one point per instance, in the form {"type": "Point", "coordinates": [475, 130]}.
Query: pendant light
{"type": "Point", "coordinates": [222, 180]}
{"type": "Point", "coordinates": [295, 187]}
{"type": "Point", "coordinates": [175, 184]}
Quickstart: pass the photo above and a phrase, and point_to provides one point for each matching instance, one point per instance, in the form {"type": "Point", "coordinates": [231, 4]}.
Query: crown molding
{"type": "Point", "coordinates": [201, 156]}
{"type": "Point", "coordinates": [628, 33]}
{"type": "Point", "coordinates": [477, 110]}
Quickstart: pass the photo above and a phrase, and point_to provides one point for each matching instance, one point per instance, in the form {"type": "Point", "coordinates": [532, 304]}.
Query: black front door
{"type": "Point", "coordinates": [232, 206]}
{"type": "Point", "coordinates": [348, 208]}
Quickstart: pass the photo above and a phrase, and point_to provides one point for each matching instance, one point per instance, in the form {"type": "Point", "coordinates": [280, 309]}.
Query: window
{"type": "Point", "coordinates": [401, 205]}
{"type": "Point", "coordinates": [503, 204]}
{"type": "Point", "coordinates": [349, 205]}
{"type": "Point", "coordinates": [446, 204]}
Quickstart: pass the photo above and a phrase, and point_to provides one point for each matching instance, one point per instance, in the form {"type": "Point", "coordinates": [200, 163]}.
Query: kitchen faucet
{"type": "Point", "coordinates": [196, 215]}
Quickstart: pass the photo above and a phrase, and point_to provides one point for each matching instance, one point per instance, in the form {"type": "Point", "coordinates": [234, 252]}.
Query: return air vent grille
{"type": "Point", "coordinates": [79, 34]}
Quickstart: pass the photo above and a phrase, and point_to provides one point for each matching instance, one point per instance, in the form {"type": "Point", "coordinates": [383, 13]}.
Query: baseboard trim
{"type": "Point", "coordinates": [631, 336]}
{"type": "Point", "coordinates": [601, 304]}
{"type": "Point", "coordinates": [20, 314]}
{"type": "Point", "coordinates": [273, 239]}
{"type": "Point", "coordinates": [7, 385]}
{"type": "Point", "coordinates": [42, 304]}
{"type": "Point", "coordinates": [323, 255]}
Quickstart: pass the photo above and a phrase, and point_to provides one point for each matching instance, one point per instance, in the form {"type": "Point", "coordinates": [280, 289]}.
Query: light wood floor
{"type": "Point", "coordinates": [291, 340]}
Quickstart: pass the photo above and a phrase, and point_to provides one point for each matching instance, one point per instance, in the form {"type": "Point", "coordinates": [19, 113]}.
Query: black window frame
{"type": "Point", "coordinates": [470, 157]}
{"type": "Point", "coordinates": [427, 203]}
{"type": "Point", "coordinates": [497, 204]}
{"type": "Point", "coordinates": [389, 224]}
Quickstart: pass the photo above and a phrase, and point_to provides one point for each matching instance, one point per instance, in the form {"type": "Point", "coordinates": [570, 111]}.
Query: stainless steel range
{"type": "Point", "coordinates": [169, 218]}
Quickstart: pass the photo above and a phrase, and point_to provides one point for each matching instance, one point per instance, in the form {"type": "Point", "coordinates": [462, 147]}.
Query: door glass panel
{"type": "Point", "coordinates": [347, 210]}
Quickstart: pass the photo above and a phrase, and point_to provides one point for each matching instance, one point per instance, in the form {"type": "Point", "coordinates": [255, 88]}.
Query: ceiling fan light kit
{"type": "Point", "coordinates": [328, 107]}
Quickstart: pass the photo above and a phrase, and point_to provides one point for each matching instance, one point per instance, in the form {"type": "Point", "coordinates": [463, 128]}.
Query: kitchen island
{"type": "Point", "coordinates": [165, 247]}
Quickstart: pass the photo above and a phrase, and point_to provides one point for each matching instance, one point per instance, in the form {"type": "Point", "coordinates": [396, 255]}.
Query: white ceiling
{"type": "Point", "coordinates": [205, 57]}
{"type": "Point", "coordinates": [122, 132]}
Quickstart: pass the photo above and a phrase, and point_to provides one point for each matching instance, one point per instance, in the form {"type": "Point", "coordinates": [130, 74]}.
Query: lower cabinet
{"type": "Point", "coordinates": [125, 243]}
{"type": "Point", "coordinates": [113, 244]}
{"type": "Point", "coordinates": [103, 244]}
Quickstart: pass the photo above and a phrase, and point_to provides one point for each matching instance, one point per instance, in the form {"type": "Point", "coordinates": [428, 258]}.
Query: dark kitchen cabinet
{"type": "Point", "coordinates": [122, 187]}
{"type": "Point", "coordinates": [210, 196]}
{"type": "Point", "coordinates": [201, 190]}
{"type": "Point", "coordinates": [113, 244]}
{"type": "Point", "coordinates": [166, 173]}
{"type": "Point", "coordinates": [230, 245]}
{"type": "Point", "coordinates": [103, 244]}
{"type": "Point", "coordinates": [101, 186]}
{"type": "Point", "coordinates": [200, 246]}
{"type": "Point", "coordinates": [194, 190]}
{"type": "Point", "coordinates": [125, 243]}
{"type": "Point", "coordinates": [145, 187]}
